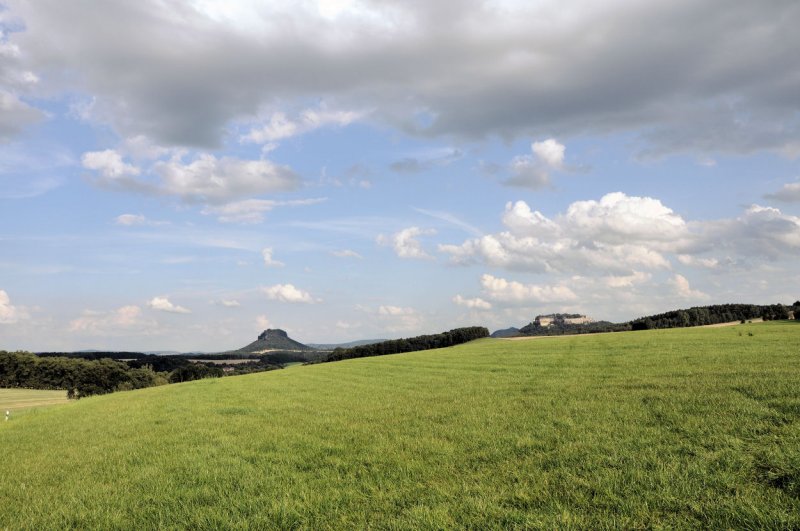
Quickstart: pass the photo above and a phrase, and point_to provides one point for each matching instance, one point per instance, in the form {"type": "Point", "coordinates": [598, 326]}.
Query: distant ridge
{"type": "Point", "coordinates": [271, 340]}
{"type": "Point", "coordinates": [560, 324]}
{"type": "Point", "coordinates": [506, 332]}
{"type": "Point", "coordinates": [358, 343]}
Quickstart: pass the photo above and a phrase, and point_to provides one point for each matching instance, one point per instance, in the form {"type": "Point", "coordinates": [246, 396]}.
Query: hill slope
{"type": "Point", "coordinates": [666, 428]}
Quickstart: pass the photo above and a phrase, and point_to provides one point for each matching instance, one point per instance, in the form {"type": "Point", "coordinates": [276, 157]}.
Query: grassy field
{"type": "Point", "coordinates": [17, 400]}
{"type": "Point", "coordinates": [654, 429]}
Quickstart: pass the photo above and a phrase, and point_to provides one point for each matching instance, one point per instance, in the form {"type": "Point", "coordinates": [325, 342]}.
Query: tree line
{"type": "Point", "coordinates": [78, 376]}
{"type": "Point", "coordinates": [560, 328]}
{"type": "Point", "coordinates": [695, 316]}
{"type": "Point", "coordinates": [397, 346]}
{"type": "Point", "coordinates": [708, 315]}
{"type": "Point", "coordinates": [170, 362]}
{"type": "Point", "coordinates": [97, 355]}
{"type": "Point", "coordinates": [124, 356]}
{"type": "Point", "coordinates": [82, 377]}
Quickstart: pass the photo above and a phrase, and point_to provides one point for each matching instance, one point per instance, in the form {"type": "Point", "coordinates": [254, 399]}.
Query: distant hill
{"type": "Point", "coordinates": [358, 343]}
{"type": "Point", "coordinates": [506, 332]}
{"type": "Point", "coordinates": [561, 324]}
{"type": "Point", "coordinates": [272, 340]}
{"type": "Point", "coordinates": [563, 327]}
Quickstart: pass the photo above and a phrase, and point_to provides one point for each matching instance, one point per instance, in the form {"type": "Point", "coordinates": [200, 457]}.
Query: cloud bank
{"type": "Point", "coordinates": [727, 84]}
{"type": "Point", "coordinates": [620, 234]}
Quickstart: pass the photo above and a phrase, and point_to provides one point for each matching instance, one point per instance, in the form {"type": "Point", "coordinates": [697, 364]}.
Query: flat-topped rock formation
{"type": "Point", "coordinates": [274, 339]}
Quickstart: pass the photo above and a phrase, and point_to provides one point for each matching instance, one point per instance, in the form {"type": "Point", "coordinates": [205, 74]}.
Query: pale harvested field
{"type": "Point", "coordinates": [20, 399]}
{"type": "Point", "coordinates": [718, 325]}
{"type": "Point", "coordinates": [522, 338]}
{"type": "Point", "coordinates": [233, 361]}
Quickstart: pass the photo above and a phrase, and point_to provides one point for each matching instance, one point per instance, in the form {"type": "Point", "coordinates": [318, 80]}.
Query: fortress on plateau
{"type": "Point", "coordinates": [561, 319]}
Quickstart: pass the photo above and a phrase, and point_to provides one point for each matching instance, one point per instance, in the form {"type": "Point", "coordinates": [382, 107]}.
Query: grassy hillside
{"type": "Point", "coordinates": [676, 428]}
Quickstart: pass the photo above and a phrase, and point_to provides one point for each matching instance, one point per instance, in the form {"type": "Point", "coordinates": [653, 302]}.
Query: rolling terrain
{"type": "Point", "coordinates": [658, 428]}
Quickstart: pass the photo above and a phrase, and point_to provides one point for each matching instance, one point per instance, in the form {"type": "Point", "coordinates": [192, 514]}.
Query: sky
{"type": "Point", "coordinates": [182, 174]}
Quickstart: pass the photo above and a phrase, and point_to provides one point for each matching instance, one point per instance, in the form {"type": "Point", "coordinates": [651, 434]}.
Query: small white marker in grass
{"type": "Point", "coordinates": [8, 414]}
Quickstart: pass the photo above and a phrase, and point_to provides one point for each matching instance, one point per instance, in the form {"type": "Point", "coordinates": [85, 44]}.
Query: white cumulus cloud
{"type": "Point", "coordinates": [266, 254]}
{"type": "Point", "coordinates": [789, 193]}
{"type": "Point", "coordinates": [129, 220]}
{"type": "Point", "coordinates": [618, 218]}
{"type": "Point", "coordinates": [163, 304]}
{"type": "Point", "coordinates": [550, 152]}
{"type": "Point", "coordinates": [202, 178]}
{"type": "Point", "coordinates": [10, 314]}
{"type": "Point", "coordinates": [125, 319]}
{"type": "Point", "coordinates": [760, 231]}
{"type": "Point", "coordinates": [627, 281]}
{"type": "Point", "coordinates": [617, 234]}
{"type": "Point", "coordinates": [211, 179]}
{"type": "Point", "coordinates": [399, 318]}
{"type": "Point", "coordinates": [689, 260]}
{"type": "Point", "coordinates": [682, 288]}
{"type": "Point", "coordinates": [503, 290]}
{"type": "Point", "coordinates": [280, 127]}
{"type": "Point", "coordinates": [109, 164]}
{"type": "Point", "coordinates": [262, 323]}
{"type": "Point", "coordinates": [522, 220]}
{"type": "Point", "coordinates": [534, 170]}
{"type": "Point", "coordinates": [395, 310]}
{"type": "Point", "coordinates": [620, 234]}
{"type": "Point", "coordinates": [475, 303]}
{"type": "Point", "coordinates": [136, 220]}
{"type": "Point", "coordinates": [288, 293]}
{"type": "Point", "coordinates": [346, 253]}
{"type": "Point", "coordinates": [560, 255]}
{"type": "Point", "coordinates": [405, 242]}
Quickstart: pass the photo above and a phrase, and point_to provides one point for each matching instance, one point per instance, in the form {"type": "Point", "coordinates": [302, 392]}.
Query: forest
{"type": "Point", "coordinates": [425, 342]}
{"type": "Point", "coordinates": [78, 376]}
{"type": "Point", "coordinates": [559, 328]}
{"type": "Point", "coordinates": [715, 314]}
{"type": "Point", "coordinates": [84, 375]}
{"type": "Point", "coordinates": [695, 316]}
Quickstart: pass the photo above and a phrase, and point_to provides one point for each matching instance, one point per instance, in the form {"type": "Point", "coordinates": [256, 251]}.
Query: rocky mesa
{"type": "Point", "coordinates": [274, 339]}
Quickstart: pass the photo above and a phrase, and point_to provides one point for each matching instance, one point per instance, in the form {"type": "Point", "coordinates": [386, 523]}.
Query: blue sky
{"type": "Point", "coordinates": [182, 175]}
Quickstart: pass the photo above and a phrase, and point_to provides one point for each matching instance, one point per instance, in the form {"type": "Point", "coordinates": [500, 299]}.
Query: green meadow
{"type": "Point", "coordinates": [654, 429]}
